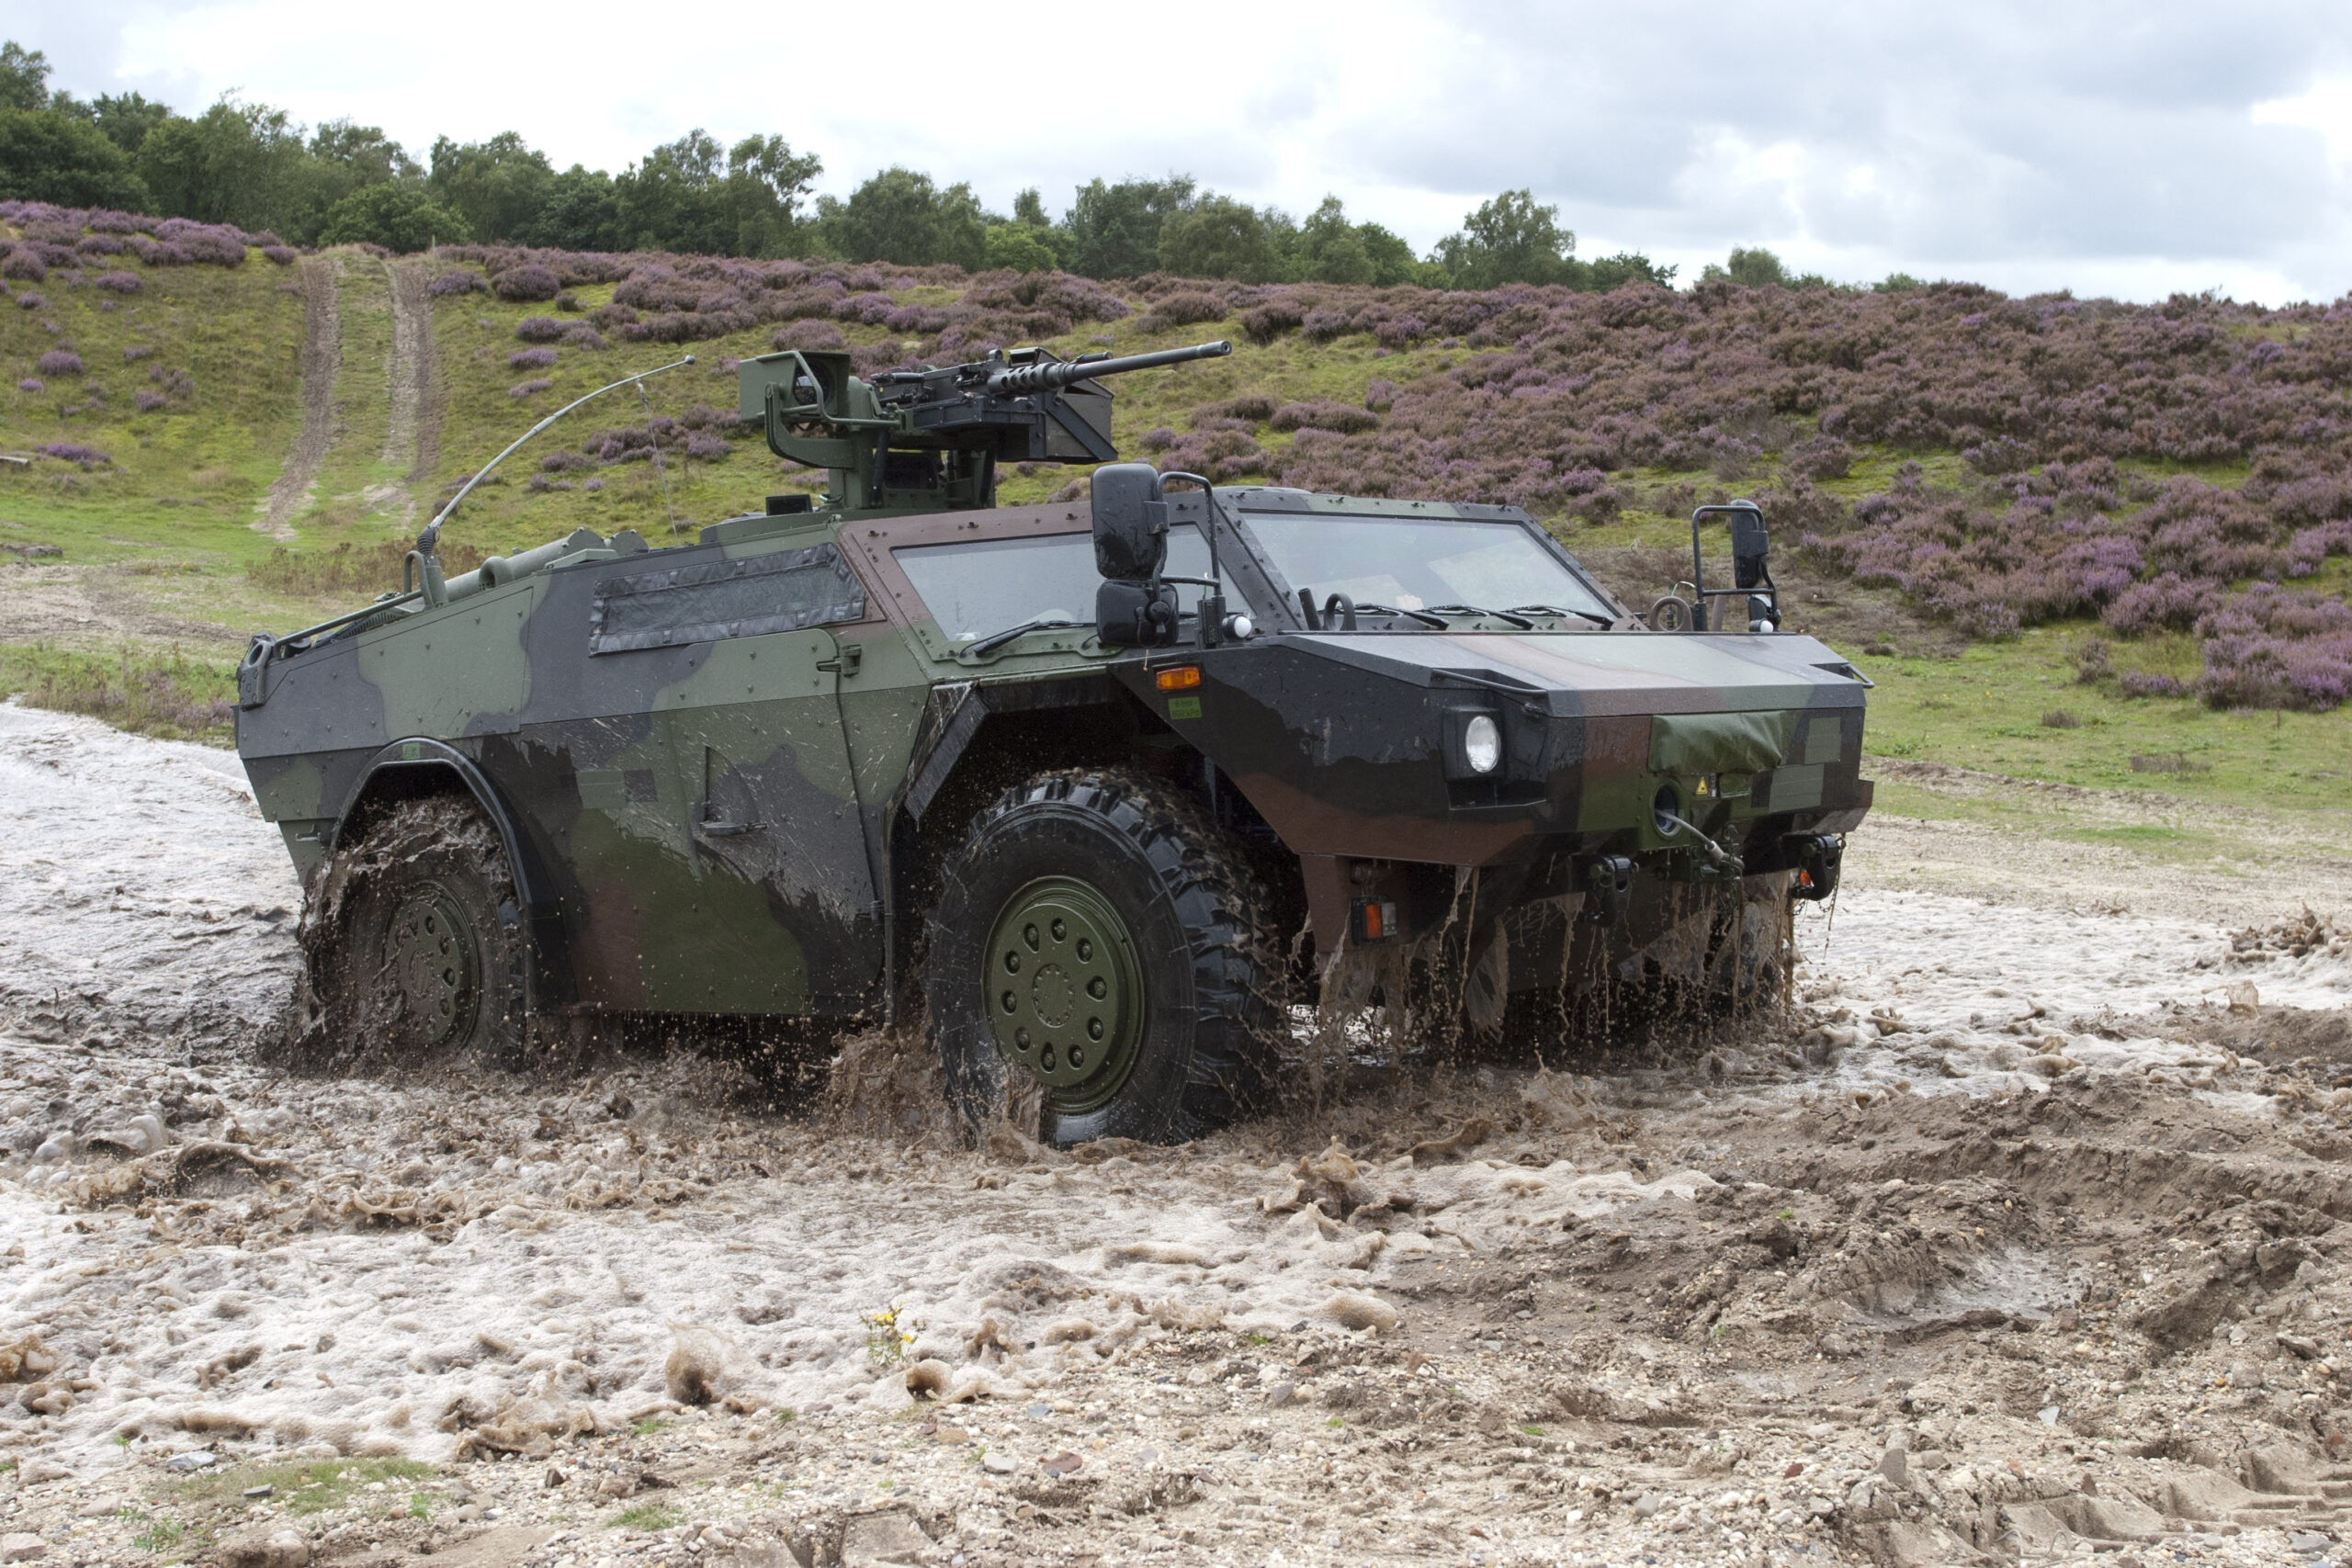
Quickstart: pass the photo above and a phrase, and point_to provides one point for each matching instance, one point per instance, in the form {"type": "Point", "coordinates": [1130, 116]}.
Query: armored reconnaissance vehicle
{"type": "Point", "coordinates": [1094, 790]}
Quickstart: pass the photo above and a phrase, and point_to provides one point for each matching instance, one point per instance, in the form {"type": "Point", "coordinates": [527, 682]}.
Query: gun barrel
{"type": "Point", "coordinates": [1061, 372]}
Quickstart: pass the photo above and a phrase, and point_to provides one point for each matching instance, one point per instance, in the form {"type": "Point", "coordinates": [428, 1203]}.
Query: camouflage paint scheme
{"type": "Point", "coordinates": [727, 825]}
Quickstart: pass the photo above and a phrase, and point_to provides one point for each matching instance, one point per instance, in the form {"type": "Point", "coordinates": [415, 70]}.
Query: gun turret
{"type": "Point", "coordinates": [930, 440]}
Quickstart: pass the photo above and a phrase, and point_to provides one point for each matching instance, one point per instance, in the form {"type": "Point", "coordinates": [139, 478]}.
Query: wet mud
{"type": "Point", "coordinates": [2021, 1239]}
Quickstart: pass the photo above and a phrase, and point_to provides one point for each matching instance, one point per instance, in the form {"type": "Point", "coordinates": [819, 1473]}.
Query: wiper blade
{"type": "Point", "coordinates": [1421, 615]}
{"type": "Point", "coordinates": [1593, 615]}
{"type": "Point", "coordinates": [1521, 622]}
{"type": "Point", "coordinates": [998, 639]}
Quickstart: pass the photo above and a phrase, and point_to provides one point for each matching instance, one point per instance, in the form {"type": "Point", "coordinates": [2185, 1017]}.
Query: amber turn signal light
{"type": "Point", "coordinates": [1182, 678]}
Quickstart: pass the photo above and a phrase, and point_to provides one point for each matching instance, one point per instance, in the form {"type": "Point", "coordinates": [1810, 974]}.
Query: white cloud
{"type": "Point", "coordinates": [2105, 148]}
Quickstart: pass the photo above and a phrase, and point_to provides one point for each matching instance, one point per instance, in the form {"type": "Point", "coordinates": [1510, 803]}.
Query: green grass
{"type": "Point", "coordinates": [1984, 710]}
{"type": "Point", "coordinates": [165, 694]}
{"type": "Point", "coordinates": [647, 1517]}
{"type": "Point", "coordinates": [304, 1487]}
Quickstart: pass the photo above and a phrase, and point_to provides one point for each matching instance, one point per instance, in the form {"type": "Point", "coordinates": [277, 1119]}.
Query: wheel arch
{"type": "Point", "coordinates": [417, 767]}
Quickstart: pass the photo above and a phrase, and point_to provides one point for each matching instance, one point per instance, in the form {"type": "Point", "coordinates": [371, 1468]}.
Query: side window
{"type": "Point", "coordinates": [786, 591]}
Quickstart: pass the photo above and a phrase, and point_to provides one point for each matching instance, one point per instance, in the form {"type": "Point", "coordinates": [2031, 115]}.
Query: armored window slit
{"type": "Point", "coordinates": [787, 591]}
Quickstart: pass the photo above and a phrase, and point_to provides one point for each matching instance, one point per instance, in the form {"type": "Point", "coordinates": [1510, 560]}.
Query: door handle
{"type": "Point", "coordinates": [845, 661]}
{"type": "Point", "coordinates": [723, 829]}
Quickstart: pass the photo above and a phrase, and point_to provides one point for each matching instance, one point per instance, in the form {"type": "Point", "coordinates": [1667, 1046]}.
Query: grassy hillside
{"type": "Point", "coordinates": [2008, 512]}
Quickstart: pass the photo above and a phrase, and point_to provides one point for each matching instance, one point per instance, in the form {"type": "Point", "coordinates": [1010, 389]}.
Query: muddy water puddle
{"type": "Point", "coordinates": [1990, 1198]}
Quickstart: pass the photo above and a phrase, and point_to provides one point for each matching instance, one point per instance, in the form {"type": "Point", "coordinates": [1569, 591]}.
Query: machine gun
{"type": "Point", "coordinates": [930, 440]}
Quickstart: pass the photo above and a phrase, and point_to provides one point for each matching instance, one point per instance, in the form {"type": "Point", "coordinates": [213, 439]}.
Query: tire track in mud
{"type": "Point", "coordinates": [321, 358]}
{"type": "Point", "coordinates": [419, 396]}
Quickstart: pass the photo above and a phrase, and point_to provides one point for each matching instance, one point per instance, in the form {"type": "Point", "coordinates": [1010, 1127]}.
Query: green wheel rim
{"type": "Point", "coordinates": [1063, 990]}
{"type": "Point", "coordinates": [430, 950]}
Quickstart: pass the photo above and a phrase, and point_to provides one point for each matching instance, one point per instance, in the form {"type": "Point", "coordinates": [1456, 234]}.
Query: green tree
{"type": "Point", "coordinates": [767, 181]}
{"type": "Point", "coordinates": [670, 199]}
{"type": "Point", "coordinates": [1216, 236]}
{"type": "Point", "coordinates": [1112, 230]}
{"type": "Point", "coordinates": [1021, 247]}
{"type": "Point", "coordinates": [1393, 261]}
{"type": "Point", "coordinates": [578, 209]}
{"type": "Point", "coordinates": [399, 215]}
{"type": "Point", "coordinates": [345, 158]}
{"type": "Point", "coordinates": [24, 77]}
{"type": "Point", "coordinates": [1507, 240]}
{"type": "Point", "coordinates": [48, 156]}
{"type": "Point", "coordinates": [495, 185]}
{"type": "Point", "coordinates": [236, 162]}
{"type": "Point", "coordinates": [1330, 249]}
{"type": "Point", "coordinates": [1626, 266]}
{"type": "Point", "coordinates": [1756, 268]}
{"type": "Point", "coordinates": [124, 118]}
{"type": "Point", "coordinates": [1029, 210]}
{"type": "Point", "coordinates": [900, 216]}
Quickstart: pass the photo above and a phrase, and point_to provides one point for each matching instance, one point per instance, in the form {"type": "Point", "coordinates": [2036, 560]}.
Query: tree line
{"type": "Point", "coordinates": [257, 167]}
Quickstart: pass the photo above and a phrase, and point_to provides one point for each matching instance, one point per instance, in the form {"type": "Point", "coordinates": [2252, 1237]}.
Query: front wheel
{"type": "Point", "coordinates": [1096, 953]}
{"type": "Point", "coordinates": [413, 944]}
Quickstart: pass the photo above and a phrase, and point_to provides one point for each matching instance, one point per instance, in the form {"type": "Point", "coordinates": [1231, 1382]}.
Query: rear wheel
{"type": "Point", "coordinates": [1096, 963]}
{"type": "Point", "coordinates": [413, 944]}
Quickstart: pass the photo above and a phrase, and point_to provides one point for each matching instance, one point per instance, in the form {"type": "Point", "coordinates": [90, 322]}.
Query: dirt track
{"type": "Point", "coordinates": [321, 358]}
{"type": "Point", "coordinates": [1995, 1254]}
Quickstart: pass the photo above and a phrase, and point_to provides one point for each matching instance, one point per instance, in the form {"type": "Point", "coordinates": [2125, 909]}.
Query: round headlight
{"type": "Point", "coordinates": [1239, 628]}
{"type": "Point", "coordinates": [1482, 745]}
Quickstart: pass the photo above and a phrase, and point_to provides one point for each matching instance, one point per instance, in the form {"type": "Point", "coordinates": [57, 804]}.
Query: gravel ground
{"type": "Point", "coordinates": [2020, 1242]}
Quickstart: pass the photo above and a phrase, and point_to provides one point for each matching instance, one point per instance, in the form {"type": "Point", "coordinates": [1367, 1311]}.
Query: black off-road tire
{"type": "Point", "coordinates": [1149, 861]}
{"type": "Point", "coordinates": [414, 944]}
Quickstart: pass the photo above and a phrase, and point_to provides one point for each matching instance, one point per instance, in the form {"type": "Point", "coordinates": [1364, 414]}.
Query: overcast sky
{"type": "Point", "coordinates": [2128, 150]}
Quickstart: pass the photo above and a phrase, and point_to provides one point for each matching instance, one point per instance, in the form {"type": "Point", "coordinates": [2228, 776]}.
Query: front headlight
{"type": "Point", "coordinates": [1482, 745]}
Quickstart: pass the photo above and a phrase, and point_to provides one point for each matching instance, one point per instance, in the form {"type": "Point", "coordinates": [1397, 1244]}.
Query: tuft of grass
{"type": "Point", "coordinates": [648, 1427]}
{"type": "Point", "coordinates": [647, 1517]}
{"type": "Point", "coordinates": [420, 1505]}
{"type": "Point", "coordinates": [166, 694]}
{"type": "Point", "coordinates": [161, 1535]}
{"type": "Point", "coordinates": [2167, 763]}
{"type": "Point", "coordinates": [1532, 1429]}
{"type": "Point", "coordinates": [312, 1486]}
{"type": "Point", "coordinates": [2059, 718]}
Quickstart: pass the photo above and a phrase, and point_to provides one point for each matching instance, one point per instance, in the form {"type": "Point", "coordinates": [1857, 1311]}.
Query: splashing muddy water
{"type": "Point", "coordinates": [205, 1257]}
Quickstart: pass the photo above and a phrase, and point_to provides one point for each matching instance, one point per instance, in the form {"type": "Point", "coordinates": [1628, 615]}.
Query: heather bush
{"type": "Point", "coordinates": [2273, 647]}
{"type": "Point", "coordinates": [1823, 458]}
{"type": "Point", "coordinates": [59, 362]}
{"type": "Point", "coordinates": [28, 385]}
{"type": "Point", "coordinates": [531, 358]}
{"type": "Point", "coordinates": [810, 335]}
{"type": "Point", "coordinates": [462, 281]}
{"type": "Point", "coordinates": [24, 266]}
{"type": "Point", "coordinates": [148, 402]}
{"type": "Point", "coordinates": [708, 448]}
{"type": "Point", "coordinates": [98, 245]}
{"type": "Point", "coordinates": [526, 388]}
{"type": "Point", "coordinates": [284, 255]}
{"type": "Point", "coordinates": [74, 452]}
{"type": "Point", "coordinates": [530, 282]}
{"type": "Point", "coordinates": [1339, 418]}
{"type": "Point", "coordinates": [121, 282]}
{"type": "Point", "coordinates": [539, 329]}
{"type": "Point", "coordinates": [561, 462]}
{"type": "Point", "coordinates": [31, 301]}
{"type": "Point", "coordinates": [2142, 683]}
{"type": "Point", "coordinates": [1182, 309]}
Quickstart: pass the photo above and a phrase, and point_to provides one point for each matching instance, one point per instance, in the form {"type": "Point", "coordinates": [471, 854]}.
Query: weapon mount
{"type": "Point", "coordinates": [930, 440]}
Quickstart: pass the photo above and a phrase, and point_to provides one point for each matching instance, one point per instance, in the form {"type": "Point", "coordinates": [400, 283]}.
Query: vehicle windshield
{"type": "Point", "coordinates": [984, 586]}
{"type": "Point", "coordinates": [1421, 563]}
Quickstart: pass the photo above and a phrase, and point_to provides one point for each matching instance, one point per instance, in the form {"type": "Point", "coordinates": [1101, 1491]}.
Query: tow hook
{"type": "Point", "coordinates": [1608, 888]}
{"type": "Point", "coordinates": [1820, 857]}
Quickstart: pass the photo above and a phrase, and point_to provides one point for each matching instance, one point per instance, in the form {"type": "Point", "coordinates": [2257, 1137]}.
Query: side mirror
{"type": "Point", "coordinates": [1751, 548]}
{"type": "Point", "coordinates": [1135, 615]}
{"type": "Point", "coordinates": [1130, 522]}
